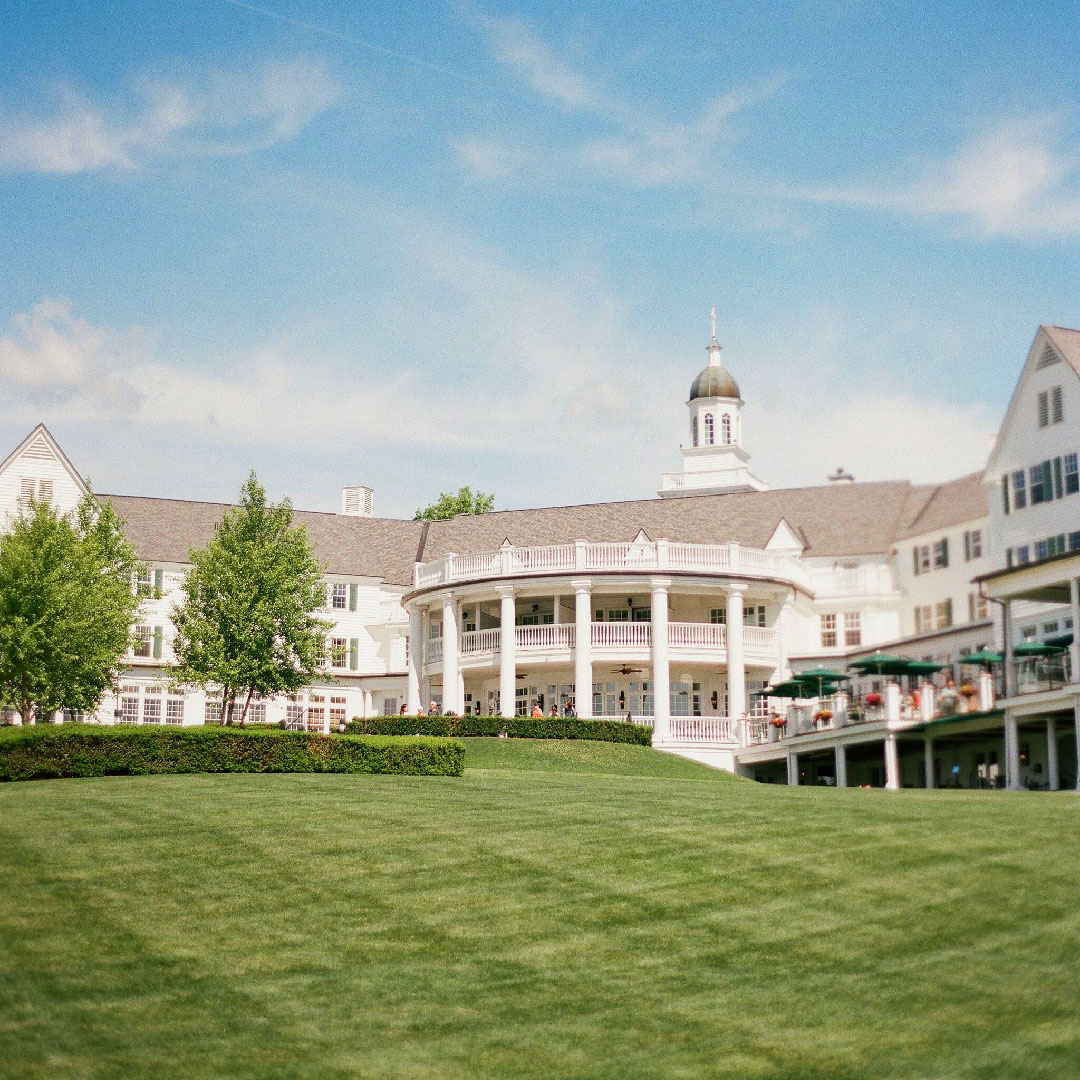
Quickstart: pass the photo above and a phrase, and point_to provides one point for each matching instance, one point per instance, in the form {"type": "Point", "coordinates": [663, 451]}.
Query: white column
{"type": "Point", "coordinates": [583, 678]}
{"type": "Point", "coordinates": [416, 658]}
{"type": "Point", "coordinates": [928, 762]}
{"type": "Point", "coordinates": [1012, 753]}
{"type": "Point", "coordinates": [450, 643]}
{"type": "Point", "coordinates": [1074, 648]}
{"type": "Point", "coordinates": [661, 673]}
{"type": "Point", "coordinates": [1053, 778]}
{"type": "Point", "coordinates": [926, 701]}
{"type": "Point", "coordinates": [1007, 651]}
{"type": "Point", "coordinates": [736, 668]}
{"type": "Point", "coordinates": [507, 651]}
{"type": "Point", "coordinates": [892, 701]}
{"type": "Point", "coordinates": [986, 691]}
{"type": "Point", "coordinates": [841, 765]}
{"type": "Point", "coordinates": [892, 763]}
{"type": "Point", "coordinates": [792, 768]}
{"type": "Point", "coordinates": [556, 600]}
{"type": "Point", "coordinates": [368, 706]}
{"type": "Point", "coordinates": [784, 635]}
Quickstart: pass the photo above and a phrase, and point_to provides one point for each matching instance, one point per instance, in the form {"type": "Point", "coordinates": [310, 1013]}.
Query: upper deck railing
{"type": "Point", "coordinates": [585, 557]}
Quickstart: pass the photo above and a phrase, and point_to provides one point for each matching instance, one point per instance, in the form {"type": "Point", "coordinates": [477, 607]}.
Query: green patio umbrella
{"type": "Point", "coordinates": [880, 664]}
{"type": "Point", "coordinates": [790, 689]}
{"type": "Point", "coordinates": [923, 667]}
{"type": "Point", "coordinates": [1064, 640]}
{"type": "Point", "coordinates": [985, 657]}
{"type": "Point", "coordinates": [1029, 649]}
{"type": "Point", "coordinates": [820, 679]}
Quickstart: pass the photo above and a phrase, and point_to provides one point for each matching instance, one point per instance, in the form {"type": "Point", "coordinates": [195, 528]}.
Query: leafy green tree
{"type": "Point", "coordinates": [450, 505]}
{"type": "Point", "coordinates": [247, 622]}
{"type": "Point", "coordinates": [66, 607]}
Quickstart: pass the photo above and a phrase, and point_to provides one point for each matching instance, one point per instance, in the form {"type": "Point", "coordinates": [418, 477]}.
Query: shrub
{"type": "Point", "coordinates": [56, 750]}
{"type": "Point", "coordinates": [520, 727]}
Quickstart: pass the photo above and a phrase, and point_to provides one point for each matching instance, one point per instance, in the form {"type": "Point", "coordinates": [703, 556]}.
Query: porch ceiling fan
{"type": "Point", "coordinates": [626, 670]}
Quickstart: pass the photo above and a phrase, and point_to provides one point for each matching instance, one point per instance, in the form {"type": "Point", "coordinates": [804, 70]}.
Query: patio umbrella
{"type": "Point", "coordinates": [880, 664]}
{"type": "Point", "coordinates": [1064, 640]}
{"type": "Point", "coordinates": [1027, 649]}
{"type": "Point", "coordinates": [985, 657]}
{"type": "Point", "coordinates": [790, 689]}
{"type": "Point", "coordinates": [923, 667]}
{"type": "Point", "coordinates": [821, 678]}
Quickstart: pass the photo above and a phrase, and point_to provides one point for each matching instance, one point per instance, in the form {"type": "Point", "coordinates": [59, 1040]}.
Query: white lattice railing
{"type": "Point", "coordinates": [478, 641]}
{"type": "Point", "coordinates": [433, 651]}
{"type": "Point", "coordinates": [688, 635]}
{"type": "Point", "coordinates": [757, 731]}
{"type": "Point", "coordinates": [583, 556]}
{"type": "Point", "coordinates": [632, 634]}
{"type": "Point", "coordinates": [761, 638]}
{"type": "Point", "coordinates": [545, 637]}
{"type": "Point", "coordinates": [709, 729]}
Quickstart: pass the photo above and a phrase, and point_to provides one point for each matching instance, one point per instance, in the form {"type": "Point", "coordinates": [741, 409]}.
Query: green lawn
{"type": "Point", "coordinates": [565, 910]}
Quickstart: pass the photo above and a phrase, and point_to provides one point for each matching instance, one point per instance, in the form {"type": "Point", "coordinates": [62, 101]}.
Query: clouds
{"type": "Point", "coordinates": [1015, 178]}
{"type": "Point", "coordinates": [219, 113]}
{"type": "Point", "coordinates": [627, 142]}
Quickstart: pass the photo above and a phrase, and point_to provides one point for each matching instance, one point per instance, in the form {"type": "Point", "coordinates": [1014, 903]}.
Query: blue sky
{"type": "Point", "coordinates": [416, 246]}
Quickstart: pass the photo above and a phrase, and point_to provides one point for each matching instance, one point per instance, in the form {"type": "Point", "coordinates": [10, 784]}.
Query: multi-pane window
{"type": "Point", "coordinates": [339, 596]}
{"type": "Point", "coordinates": [1072, 475]}
{"type": "Point", "coordinates": [756, 707]}
{"type": "Point", "coordinates": [828, 631]}
{"type": "Point", "coordinates": [174, 710]}
{"type": "Point", "coordinates": [1023, 555]}
{"type": "Point", "coordinates": [151, 709]}
{"type": "Point", "coordinates": [976, 607]}
{"type": "Point", "coordinates": [754, 615]}
{"type": "Point", "coordinates": [941, 553]}
{"type": "Point", "coordinates": [257, 712]}
{"type": "Point", "coordinates": [921, 558]}
{"type": "Point", "coordinates": [1041, 484]}
{"type": "Point", "coordinates": [852, 628]}
{"type": "Point", "coordinates": [129, 705]}
{"type": "Point", "coordinates": [316, 713]}
{"type": "Point", "coordinates": [709, 429]}
{"type": "Point", "coordinates": [972, 544]}
{"type": "Point", "coordinates": [144, 639]}
{"type": "Point", "coordinates": [924, 618]}
{"type": "Point", "coordinates": [1074, 541]}
{"type": "Point", "coordinates": [339, 652]}
{"type": "Point", "coordinates": [1042, 550]}
{"type": "Point", "coordinates": [389, 706]}
{"type": "Point", "coordinates": [212, 709]}
{"type": "Point", "coordinates": [943, 614]}
{"type": "Point", "coordinates": [144, 581]}
{"type": "Point", "coordinates": [718, 616]}
{"type": "Point", "coordinates": [725, 429]}
{"type": "Point", "coordinates": [695, 431]}
{"type": "Point", "coordinates": [1019, 489]}
{"type": "Point", "coordinates": [337, 711]}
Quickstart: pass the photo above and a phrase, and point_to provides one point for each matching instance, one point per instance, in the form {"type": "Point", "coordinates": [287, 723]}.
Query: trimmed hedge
{"type": "Point", "coordinates": [520, 727]}
{"type": "Point", "coordinates": [55, 750]}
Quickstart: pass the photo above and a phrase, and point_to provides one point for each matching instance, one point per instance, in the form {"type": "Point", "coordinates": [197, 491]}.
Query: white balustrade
{"type": "Point", "coordinates": [565, 558]}
{"type": "Point", "coordinates": [479, 641]}
{"type": "Point", "coordinates": [757, 731]}
{"type": "Point", "coordinates": [685, 635]}
{"type": "Point", "coordinates": [632, 634]}
{"type": "Point", "coordinates": [433, 651]}
{"type": "Point", "coordinates": [760, 638]}
{"type": "Point", "coordinates": [702, 729]}
{"type": "Point", "coordinates": [545, 637]}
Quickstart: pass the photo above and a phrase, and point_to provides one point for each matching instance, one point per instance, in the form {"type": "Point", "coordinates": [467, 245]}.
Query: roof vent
{"type": "Point", "coordinates": [1049, 356]}
{"type": "Point", "coordinates": [840, 477]}
{"type": "Point", "coordinates": [357, 501]}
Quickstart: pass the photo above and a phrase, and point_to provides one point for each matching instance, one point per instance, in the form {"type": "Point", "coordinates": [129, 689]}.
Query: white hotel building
{"type": "Point", "coordinates": [676, 610]}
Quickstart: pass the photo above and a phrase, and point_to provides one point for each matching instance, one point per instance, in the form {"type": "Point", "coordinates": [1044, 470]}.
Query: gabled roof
{"type": "Point", "coordinates": [1067, 342]}
{"type": "Point", "coordinates": [40, 443]}
{"type": "Point", "coordinates": [163, 530]}
{"type": "Point", "coordinates": [946, 505]}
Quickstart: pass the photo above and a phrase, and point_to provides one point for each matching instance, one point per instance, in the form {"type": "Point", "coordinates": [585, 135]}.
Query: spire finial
{"type": "Point", "coordinates": [712, 320]}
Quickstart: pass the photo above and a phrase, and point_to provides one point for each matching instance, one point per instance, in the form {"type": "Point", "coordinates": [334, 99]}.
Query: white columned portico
{"type": "Point", "coordinates": [1053, 774]}
{"type": "Point", "coordinates": [928, 762]}
{"type": "Point", "coordinates": [1007, 651]}
{"type": "Point", "coordinates": [841, 765]}
{"type": "Point", "coordinates": [736, 667]}
{"type": "Point", "coordinates": [1012, 753]}
{"type": "Point", "coordinates": [583, 679]}
{"type": "Point", "coordinates": [416, 659]}
{"type": "Point", "coordinates": [660, 670]}
{"type": "Point", "coordinates": [507, 651]}
{"type": "Point", "coordinates": [451, 701]}
{"type": "Point", "coordinates": [892, 763]}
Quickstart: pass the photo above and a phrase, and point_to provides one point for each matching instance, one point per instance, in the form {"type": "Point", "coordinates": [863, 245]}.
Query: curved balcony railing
{"type": "Point", "coordinates": [586, 557]}
{"type": "Point", "coordinates": [707, 729]}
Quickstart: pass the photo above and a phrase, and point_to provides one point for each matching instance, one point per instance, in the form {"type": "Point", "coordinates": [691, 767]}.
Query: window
{"type": "Point", "coordinates": [151, 710]}
{"type": "Point", "coordinates": [852, 628]}
{"type": "Point", "coordinates": [1043, 409]}
{"type": "Point", "coordinates": [976, 607]}
{"type": "Point", "coordinates": [828, 631]}
{"type": "Point", "coordinates": [212, 710]}
{"type": "Point", "coordinates": [1042, 483]}
{"type": "Point", "coordinates": [709, 429]}
{"type": "Point", "coordinates": [389, 706]}
{"type": "Point", "coordinates": [1023, 555]}
{"type": "Point", "coordinates": [972, 544]}
{"type": "Point", "coordinates": [339, 652]}
{"type": "Point", "coordinates": [756, 707]}
{"type": "Point", "coordinates": [129, 705]}
{"type": "Point", "coordinates": [31, 489]}
{"type": "Point", "coordinates": [144, 637]}
{"type": "Point", "coordinates": [943, 614]}
{"type": "Point", "coordinates": [316, 713]}
{"type": "Point", "coordinates": [718, 616]}
{"type": "Point", "coordinates": [1074, 541]}
{"type": "Point", "coordinates": [1042, 550]}
{"type": "Point", "coordinates": [294, 715]}
{"type": "Point", "coordinates": [1019, 490]}
{"type": "Point", "coordinates": [694, 430]}
{"type": "Point", "coordinates": [1072, 476]}
{"type": "Point", "coordinates": [754, 615]}
{"type": "Point", "coordinates": [339, 596]}
{"type": "Point", "coordinates": [257, 712]}
{"type": "Point", "coordinates": [921, 558]}
{"type": "Point", "coordinates": [174, 710]}
{"type": "Point", "coordinates": [45, 491]}
{"type": "Point", "coordinates": [725, 429]}
{"type": "Point", "coordinates": [941, 554]}
{"type": "Point", "coordinates": [1057, 407]}
{"type": "Point", "coordinates": [144, 581]}
{"type": "Point", "coordinates": [337, 711]}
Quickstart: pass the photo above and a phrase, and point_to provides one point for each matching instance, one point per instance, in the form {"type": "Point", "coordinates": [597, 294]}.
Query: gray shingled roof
{"type": "Point", "coordinates": [948, 504]}
{"type": "Point", "coordinates": [163, 530]}
{"type": "Point", "coordinates": [839, 519]}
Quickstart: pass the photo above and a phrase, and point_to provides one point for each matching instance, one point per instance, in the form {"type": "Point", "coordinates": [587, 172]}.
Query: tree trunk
{"type": "Point", "coordinates": [228, 698]}
{"type": "Point", "coordinates": [26, 706]}
{"type": "Point", "coordinates": [247, 705]}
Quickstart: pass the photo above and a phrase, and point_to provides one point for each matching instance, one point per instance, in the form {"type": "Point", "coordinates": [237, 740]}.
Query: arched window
{"type": "Point", "coordinates": [709, 440]}
{"type": "Point", "coordinates": [725, 429]}
{"type": "Point", "coordinates": [695, 429]}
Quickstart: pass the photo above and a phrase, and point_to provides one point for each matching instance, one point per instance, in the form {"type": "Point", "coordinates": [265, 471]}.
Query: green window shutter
{"type": "Point", "coordinates": [915, 559]}
{"type": "Point", "coordinates": [1048, 480]}
{"type": "Point", "coordinates": [944, 551]}
{"type": "Point", "coordinates": [354, 653]}
{"type": "Point", "coordinates": [157, 642]}
{"type": "Point", "coordinates": [159, 577]}
{"type": "Point", "coordinates": [354, 596]}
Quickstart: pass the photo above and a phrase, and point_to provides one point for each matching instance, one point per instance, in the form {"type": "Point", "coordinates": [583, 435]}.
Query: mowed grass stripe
{"type": "Point", "coordinates": [649, 918]}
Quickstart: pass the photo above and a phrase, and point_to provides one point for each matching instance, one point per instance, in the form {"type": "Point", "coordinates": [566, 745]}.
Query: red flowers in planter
{"type": "Point", "coordinates": [777, 720]}
{"type": "Point", "coordinates": [823, 715]}
{"type": "Point", "coordinates": [873, 699]}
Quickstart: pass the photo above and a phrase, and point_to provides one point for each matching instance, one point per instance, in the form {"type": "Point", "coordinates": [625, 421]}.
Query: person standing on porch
{"type": "Point", "coordinates": [537, 712]}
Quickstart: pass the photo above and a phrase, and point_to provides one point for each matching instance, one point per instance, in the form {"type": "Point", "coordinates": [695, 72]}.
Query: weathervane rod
{"type": "Point", "coordinates": [712, 320]}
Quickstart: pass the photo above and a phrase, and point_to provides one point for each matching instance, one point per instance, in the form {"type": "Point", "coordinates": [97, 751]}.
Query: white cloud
{"type": "Point", "coordinates": [639, 147]}
{"type": "Point", "coordinates": [222, 113]}
{"type": "Point", "coordinates": [1014, 179]}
